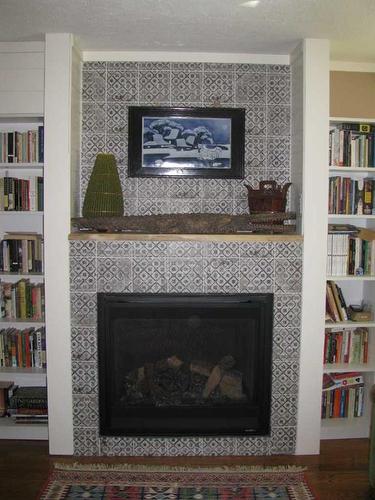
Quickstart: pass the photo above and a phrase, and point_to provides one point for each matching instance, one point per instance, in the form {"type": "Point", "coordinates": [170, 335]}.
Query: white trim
{"type": "Point", "coordinates": [185, 57]}
{"type": "Point", "coordinates": [360, 67]}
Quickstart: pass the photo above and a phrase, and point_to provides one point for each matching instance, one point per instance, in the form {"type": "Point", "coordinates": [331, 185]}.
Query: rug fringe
{"type": "Point", "coordinates": [101, 467]}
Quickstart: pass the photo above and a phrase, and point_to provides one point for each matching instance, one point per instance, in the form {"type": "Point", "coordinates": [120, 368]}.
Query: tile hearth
{"type": "Point", "coordinates": [190, 267]}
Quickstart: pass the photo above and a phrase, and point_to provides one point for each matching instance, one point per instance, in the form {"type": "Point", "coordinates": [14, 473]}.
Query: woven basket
{"type": "Point", "coordinates": [104, 195]}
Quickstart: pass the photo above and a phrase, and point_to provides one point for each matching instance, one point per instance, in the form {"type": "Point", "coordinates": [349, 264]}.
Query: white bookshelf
{"type": "Point", "coordinates": [22, 221]}
{"type": "Point", "coordinates": [355, 289]}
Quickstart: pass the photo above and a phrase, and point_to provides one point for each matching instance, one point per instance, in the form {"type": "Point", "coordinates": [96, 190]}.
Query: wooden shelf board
{"type": "Point", "coordinates": [350, 216]}
{"type": "Point", "coordinates": [184, 237]}
{"type": "Point", "coordinates": [354, 170]}
{"type": "Point", "coordinates": [21, 165]}
{"type": "Point", "coordinates": [365, 277]}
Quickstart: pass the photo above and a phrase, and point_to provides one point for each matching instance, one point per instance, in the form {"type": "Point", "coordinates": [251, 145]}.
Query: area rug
{"type": "Point", "coordinates": [133, 482]}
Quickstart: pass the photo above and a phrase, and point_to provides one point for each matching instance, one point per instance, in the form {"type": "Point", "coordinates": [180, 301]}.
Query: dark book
{"type": "Point", "coordinates": [357, 127]}
{"type": "Point", "coordinates": [29, 397]}
{"type": "Point", "coordinates": [41, 143]}
{"type": "Point", "coordinates": [10, 147]}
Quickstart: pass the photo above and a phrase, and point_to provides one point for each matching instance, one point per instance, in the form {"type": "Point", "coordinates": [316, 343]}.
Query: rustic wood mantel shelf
{"type": "Point", "coordinates": [91, 235]}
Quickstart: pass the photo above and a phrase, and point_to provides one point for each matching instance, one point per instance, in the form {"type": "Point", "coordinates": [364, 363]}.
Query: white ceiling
{"type": "Point", "coordinates": [273, 27]}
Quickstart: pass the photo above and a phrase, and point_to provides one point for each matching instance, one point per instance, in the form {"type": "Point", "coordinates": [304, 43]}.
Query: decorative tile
{"type": "Point", "coordinates": [186, 86]}
{"type": "Point", "coordinates": [115, 249]}
{"type": "Point", "coordinates": [283, 440]}
{"type": "Point", "coordinates": [92, 144]}
{"type": "Point", "coordinates": [146, 249]}
{"type": "Point", "coordinates": [287, 311]}
{"type": "Point", "coordinates": [116, 144]}
{"type": "Point", "coordinates": [278, 120]}
{"type": "Point", "coordinates": [278, 68]}
{"type": "Point", "coordinates": [255, 120]}
{"type": "Point", "coordinates": [185, 188]}
{"type": "Point", "coordinates": [250, 68]}
{"type": "Point", "coordinates": [83, 309]}
{"type": "Point", "coordinates": [217, 188]}
{"type": "Point", "coordinates": [185, 206]}
{"type": "Point", "coordinates": [221, 276]}
{"type": "Point", "coordinates": [288, 276]}
{"type": "Point", "coordinates": [285, 376]}
{"type": "Point", "coordinates": [281, 177]}
{"type": "Point", "coordinates": [122, 66]}
{"type": "Point", "coordinates": [145, 206]}
{"type": "Point", "coordinates": [255, 152]}
{"type": "Point", "coordinates": [278, 89]}
{"type": "Point", "coordinates": [240, 207]}
{"type": "Point", "coordinates": [218, 87]}
{"type": "Point", "coordinates": [215, 67]}
{"type": "Point", "coordinates": [185, 249]}
{"type": "Point", "coordinates": [117, 118]}
{"type": "Point", "coordinates": [186, 66]}
{"type": "Point", "coordinates": [116, 446]}
{"type": "Point", "coordinates": [256, 250]}
{"type": "Point", "coordinates": [154, 66]}
{"type": "Point", "coordinates": [93, 117]}
{"type": "Point", "coordinates": [94, 65]}
{"type": "Point", "coordinates": [252, 446]}
{"type": "Point", "coordinates": [83, 274]}
{"type": "Point", "coordinates": [154, 447]}
{"type": "Point", "coordinates": [82, 248]}
{"type": "Point", "coordinates": [84, 344]}
{"type": "Point", "coordinates": [222, 249]}
{"type": "Point", "coordinates": [149, 276]}
{"type": "Point", "coordinates": [286, 343]}
{"type": "Point", "coordinates": [154, 86]}
{"type": "Point", "coordinates": [153, 188]}
{"type": "Point", "coordinates": [114, 275]}
{"type": "Point", "coordinates": [284, 410]}
{"type": "Point", "coordinates": [86, 441]}
{"type": "Point", "coordinates": [251, 88]}
{"type": "Point", "coordinates": [218, 446]}
{"type": "Point", "coordinates": [256, 275]}
{"type": "Point", "coordinates": [278, 153]}
{"type": "Point", "coordinates": [85, 411]}
{"type": "Point", "coordinates": [185, 276]}
{"type": "Point", "coordinates": [122, 86]}
{"type": "Point", "coordinates": [93, 86]}
{"type": "Point", "coordinates": [290, 250]}
{"type": "Point", "coordinates": [217, 206]}
{"type": "Point", "coordinates": [84, 377]}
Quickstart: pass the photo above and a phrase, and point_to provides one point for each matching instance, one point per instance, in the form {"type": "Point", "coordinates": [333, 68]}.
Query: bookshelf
{"type": "Point", "coordinates": [22, 221]}
{"type": "Point", "coordinates": [355, 290]}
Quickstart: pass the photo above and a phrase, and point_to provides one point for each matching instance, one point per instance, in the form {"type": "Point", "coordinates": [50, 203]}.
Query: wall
{"type": "Point", "coordinates": [352, 94]}
{"type": "Point", "coordinates": [262, 89]}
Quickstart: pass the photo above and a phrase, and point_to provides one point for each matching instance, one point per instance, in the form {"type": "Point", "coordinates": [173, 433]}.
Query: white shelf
{"type": "Point", "coordinates": [24, 376]}
{"type": "Point", "coordinates": [350, 216]}
{"type": "Point", "coordinates": [21, 165]}
{"type": "Point", "coordinates": [350, 428]}
{"type": "Point", "coordinates": [37, 276]}
{"type": "Point", "coordinates": [11, 430]}
{"type": "Point", "coordinates": [352, 170]}
{"type": "Point", "coordinates": [348, 367]}
{"type": "Point", "coordinates": [18, 212]}
{"type": "Point", "coordinates": [346, 119]}
{"type": "Point", "coordinates": [350, 324]}
{"type": "Point", "coordinates": [21, 323]}
{"type": "Point", "coordinates": [365, 277]}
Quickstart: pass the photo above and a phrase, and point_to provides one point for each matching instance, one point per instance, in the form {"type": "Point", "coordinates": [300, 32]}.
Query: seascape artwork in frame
{"type": "Point", "coordinates": [186, 142]}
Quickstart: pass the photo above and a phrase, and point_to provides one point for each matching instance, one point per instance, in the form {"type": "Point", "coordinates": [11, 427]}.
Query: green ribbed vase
{"type": "Point", "coordinates": [103, 196]}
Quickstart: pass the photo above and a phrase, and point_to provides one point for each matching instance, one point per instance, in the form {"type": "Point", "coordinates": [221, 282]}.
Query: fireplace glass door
{"type": "Point", "coordinates": [184, 365]}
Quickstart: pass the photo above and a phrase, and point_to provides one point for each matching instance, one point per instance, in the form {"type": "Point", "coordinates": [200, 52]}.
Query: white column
{"type": "Point", "coordinates": [58, 65]}
{"type": "Point", "coordinates": [315, 126]}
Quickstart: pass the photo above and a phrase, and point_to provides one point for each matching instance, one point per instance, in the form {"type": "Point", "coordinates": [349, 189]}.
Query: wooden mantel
{"type": "Point", "coordinates": [88, 235]}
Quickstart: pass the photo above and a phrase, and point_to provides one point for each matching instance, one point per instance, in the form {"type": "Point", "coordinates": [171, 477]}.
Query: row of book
{"type": "Point", "coordinates": [22, 194]}
{"type": "Point", "coordinates": [22, 147]}
{"type": "Point", "coordinates": [21, 253]}
{"type": "Point", "coordinates": [336, 307]}
{"type": "Point", "coordinates": [348, 345]}
{"type": "Point", "coordinates": [23, 348]}
{"type": "Point", "coordinates": [25, 405]}
{"type": "Point", "coordinates": [22, 300]}
{"type": "Point", "coordinates": [349, 196]}
{"type": "Point", "coordinates": [350, 251]}
{"type": "Point", "coordinates": [352, 145]}
{"type": "Point", "coordinates": [343, 395]}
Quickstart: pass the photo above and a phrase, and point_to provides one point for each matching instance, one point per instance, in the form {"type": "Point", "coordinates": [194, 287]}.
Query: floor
{"type": "Point", "coordinates": [338, 473]}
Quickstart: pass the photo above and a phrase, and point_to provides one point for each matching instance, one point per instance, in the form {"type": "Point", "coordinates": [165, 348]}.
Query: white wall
{"type": "Point", "coordinates": [314, 123]}
{"type": "Point", "coordinates": [22, 79]}
{"type": "Point", "coordinates": [58, 155]}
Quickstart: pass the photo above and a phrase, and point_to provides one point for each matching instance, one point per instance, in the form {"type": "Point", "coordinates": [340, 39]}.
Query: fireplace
{"type": "Point", "coordinates": [174, 365]}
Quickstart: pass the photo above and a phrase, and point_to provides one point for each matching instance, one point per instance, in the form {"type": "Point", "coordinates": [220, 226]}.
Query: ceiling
{"type": "Point", "coordinates": [273, 27]}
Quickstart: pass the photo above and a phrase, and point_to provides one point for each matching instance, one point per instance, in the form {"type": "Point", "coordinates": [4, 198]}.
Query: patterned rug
{"type": "Point", "coordinates": [132, 482]}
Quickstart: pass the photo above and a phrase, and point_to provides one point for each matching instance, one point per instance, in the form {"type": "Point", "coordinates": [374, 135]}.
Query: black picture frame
{"type": "Point", "coordinates": [186, 142]}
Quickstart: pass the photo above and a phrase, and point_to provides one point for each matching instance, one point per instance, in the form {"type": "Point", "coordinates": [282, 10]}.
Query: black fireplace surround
{"type": "Point", "coordinates": [180, 365]}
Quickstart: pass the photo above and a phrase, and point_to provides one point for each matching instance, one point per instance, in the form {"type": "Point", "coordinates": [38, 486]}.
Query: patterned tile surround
{"type": "Point", "coordinates": [193, 267]}
{"type": "Point", "coordinates": [263, 90]}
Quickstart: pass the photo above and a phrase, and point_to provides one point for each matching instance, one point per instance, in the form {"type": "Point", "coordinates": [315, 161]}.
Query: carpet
{"type": "Point", "coordinates": [133, 482]}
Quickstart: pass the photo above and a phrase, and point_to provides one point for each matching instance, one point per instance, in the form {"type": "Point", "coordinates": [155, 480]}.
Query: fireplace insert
{"type": "Point", "coordinates": [184, 364]}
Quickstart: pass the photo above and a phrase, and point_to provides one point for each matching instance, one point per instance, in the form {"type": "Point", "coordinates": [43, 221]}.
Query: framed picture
{"type": "Point", "coordinates": [186, 142]}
